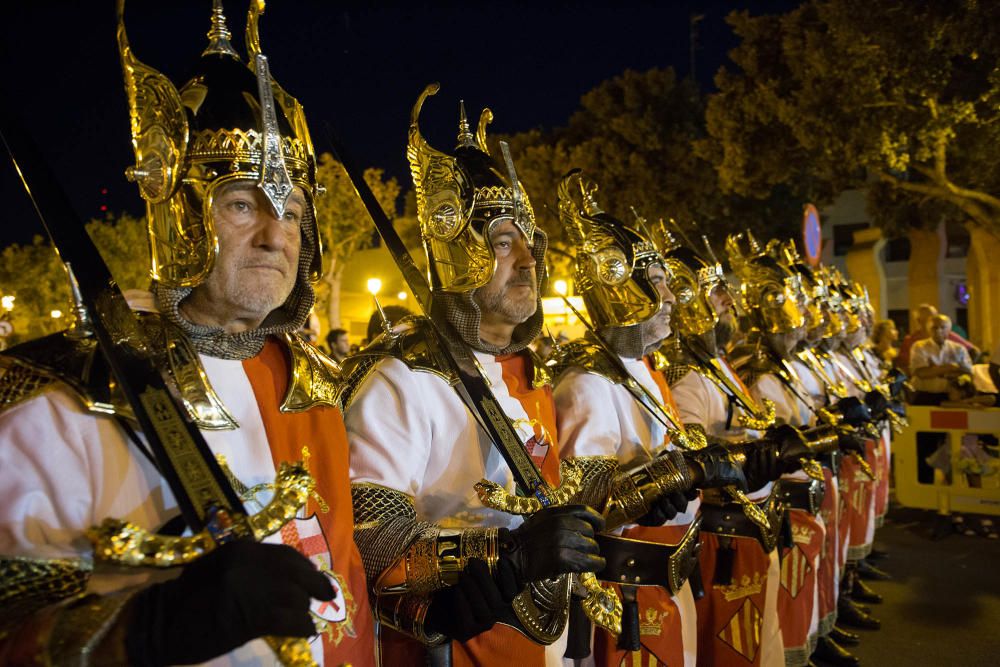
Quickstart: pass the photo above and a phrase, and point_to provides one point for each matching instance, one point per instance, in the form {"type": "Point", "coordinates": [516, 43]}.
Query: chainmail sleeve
{"type": "Point", "coordinates": [406, 560]}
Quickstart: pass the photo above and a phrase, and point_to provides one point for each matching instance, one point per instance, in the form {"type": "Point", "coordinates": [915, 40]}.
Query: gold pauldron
{"type": "Point", "coordinates": [438, 556]}
{"type": "Point", "coordinates": [634, 491]}
{"type": "Point", "coordinates": [123, 543]}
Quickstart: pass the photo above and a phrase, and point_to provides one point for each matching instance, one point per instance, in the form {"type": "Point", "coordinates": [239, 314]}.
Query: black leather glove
{"type": "Point", "coordinates": [876, 403]}
{"type": "Point", "coordinates": [475, 603]}
{"type": "Point", "coordinates": [717, 469]}
{"type": "Point", "coordinates": [554, 541]}
{"type": "Point", "coordinates": [763, 464]}
{"type": "Point", "coordinates": [854, 412]}
{"type": "Point", "coordinates": [665, 508]}
{"type": "Point", "coordinates": [897, 382]}
{"type": "Point", "coordinates": [790, 441]}
{"type": "Point", "coordinates": [240, 591]}
{"type": "Point", "coordinates": [848, 441]}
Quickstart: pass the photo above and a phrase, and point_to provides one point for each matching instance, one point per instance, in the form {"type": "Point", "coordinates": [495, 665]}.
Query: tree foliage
{"type": "Point", "coordinates": [840, 93]}
{"type": "Point", "coordinates": [35, 277]}
{"type": "Point", "coordinates": [634, 135]}
{"type": "Point", "coordinates": [344, 224]}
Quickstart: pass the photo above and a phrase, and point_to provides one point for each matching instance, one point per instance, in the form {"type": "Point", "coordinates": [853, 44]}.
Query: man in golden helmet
{"type": "Point", "coordinates": [616, 413]}
{"type": "Point", "coordinates": [449, 574]}
{"type": "Point", "coordinates": [738, 561]}
{"type": "Point", "coordinates": [226, 168]}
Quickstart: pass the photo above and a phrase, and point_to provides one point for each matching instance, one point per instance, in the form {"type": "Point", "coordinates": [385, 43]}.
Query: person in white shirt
{"type": "Point", "coordinates": [937, 363]}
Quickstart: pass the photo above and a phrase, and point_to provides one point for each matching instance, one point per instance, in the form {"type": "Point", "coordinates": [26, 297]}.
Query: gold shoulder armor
{"type": "Point", "coordinates": [37, 365]}
{"type": "Point", "coordinates": [541, 374]}
{"type": "Point", "coordinates": [589, 356]}
{"type": "Point", "coordinates": [316, 378]}
{"type": "Point", "coordinates": [413, 342]}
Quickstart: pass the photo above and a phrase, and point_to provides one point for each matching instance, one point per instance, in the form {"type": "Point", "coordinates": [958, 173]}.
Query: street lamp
{"type": "Point", "coordinates": [401, 296]}
{"type": "Point", "coordinates": [560, 287]}
{"type": "Point", "coordinates": [56, 314]}
{"type": "Point", "coordinates": [374, 285]}
{"type": "Point", "coordinates": [7, 301]}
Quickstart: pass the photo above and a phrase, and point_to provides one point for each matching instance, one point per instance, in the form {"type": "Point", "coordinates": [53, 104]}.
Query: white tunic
{"type": "Point", "coordinates": [600, 418]}
{"type": "Point", "coordinates": [63, 470]}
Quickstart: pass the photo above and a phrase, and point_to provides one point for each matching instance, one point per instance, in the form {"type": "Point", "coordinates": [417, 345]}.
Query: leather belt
{"type": "Point", "coordinates": [639, 563]}
{"type": "Point", "coordinates": [729, 520]}
{"type": "Point", "coordinates": [802, 495]}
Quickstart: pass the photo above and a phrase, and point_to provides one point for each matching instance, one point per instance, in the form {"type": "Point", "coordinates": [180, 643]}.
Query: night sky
{"type": "Point", "coordinates": [357, 66]}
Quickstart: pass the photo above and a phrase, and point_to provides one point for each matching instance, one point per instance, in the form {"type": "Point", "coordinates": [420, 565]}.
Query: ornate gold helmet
{"type": "Point", "coordinates": [692, 280]}
{"type": "Point", "coordinates": [460, 198]}
{"type": "Point", "coordinates": [230, 121]}
{"type": "Point", "coordinates": [811, 289]}
{"type": "Point", "coordinates": [768, 291]}
{"type": "Point", "coordinates": [611, 258]}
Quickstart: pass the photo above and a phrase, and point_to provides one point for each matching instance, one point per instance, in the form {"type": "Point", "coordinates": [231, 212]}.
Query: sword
{"type": "Point", "coordinates": [208, 503]}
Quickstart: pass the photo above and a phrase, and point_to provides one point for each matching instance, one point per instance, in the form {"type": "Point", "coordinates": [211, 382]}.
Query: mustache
{"type": "Point", "coordinates": [524, 277]}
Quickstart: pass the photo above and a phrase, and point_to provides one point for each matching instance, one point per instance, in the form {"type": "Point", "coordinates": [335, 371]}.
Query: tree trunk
{"type": "Point", "coordinates": [333, 278]}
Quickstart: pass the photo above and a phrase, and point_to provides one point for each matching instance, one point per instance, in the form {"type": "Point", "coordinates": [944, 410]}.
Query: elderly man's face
{"type": "Point", "coordinates": [939, 330]}
{"type": "Point", "coordinates": [258, 257]}
{"type": "Point", "coordinates": [511, 295]}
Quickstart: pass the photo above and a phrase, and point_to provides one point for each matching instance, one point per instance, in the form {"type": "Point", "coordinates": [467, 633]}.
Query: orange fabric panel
{"type": "Point", "coordinates": [517, 368]}
{"type": "Point", "coordinates": [321, 429]}
{"type": "Point", "coordinates": [730, 618]}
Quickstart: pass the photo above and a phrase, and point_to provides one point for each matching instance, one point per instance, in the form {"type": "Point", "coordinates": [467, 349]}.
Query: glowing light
{"type": "Point", "coordinates": [374, 285]}
{"type": "Point", "coordinates": [560, 287]}
{"type": "Point", "coordinates": [56, 314]}
{"type": "Point", "coordinates": [7, 301]}
{"type": "Point", "coordinates": [401, 296]}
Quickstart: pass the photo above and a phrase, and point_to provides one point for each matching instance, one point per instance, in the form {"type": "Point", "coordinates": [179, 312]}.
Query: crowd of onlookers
{"type": "Point", "coordinates": [942, 365]}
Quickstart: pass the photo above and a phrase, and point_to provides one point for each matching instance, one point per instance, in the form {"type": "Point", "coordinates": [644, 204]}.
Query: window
{"type": "Point", "coordinates": [897, 250]}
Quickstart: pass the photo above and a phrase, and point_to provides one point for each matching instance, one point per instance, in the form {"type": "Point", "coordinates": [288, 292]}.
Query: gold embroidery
{"type": "Point", "coordinates": [744, 588]}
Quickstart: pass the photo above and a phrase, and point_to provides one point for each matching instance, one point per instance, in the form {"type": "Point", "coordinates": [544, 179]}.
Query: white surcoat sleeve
{"type": "Point", "coordinates": [409, 431]}
{"type": "Point", "coordinates": [63, 470]}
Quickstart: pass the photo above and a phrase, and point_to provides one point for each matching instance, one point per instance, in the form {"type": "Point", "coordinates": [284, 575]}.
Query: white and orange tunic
{"type": "Point", "coordinates": [410, 432]}
{"type": "Point", "coordinates": [64, 469]}
{"type": "Point", "coordinates": [600, 418]}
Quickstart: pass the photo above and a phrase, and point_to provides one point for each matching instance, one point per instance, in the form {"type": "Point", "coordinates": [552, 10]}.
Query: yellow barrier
{"type": "Point", "coordinates": [963, 477]}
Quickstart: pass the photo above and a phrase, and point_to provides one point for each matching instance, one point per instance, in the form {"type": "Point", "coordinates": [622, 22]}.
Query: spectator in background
{"type": "Point", "coordinates": [884, 338]}
{"type": "Point", "coordinates": [938, 363]}
{"type": "Point", "coordinates": [310, 329]}
{"type": "Point", "coordinates": [921, 322]}
{"type": "Point", "coordinates": [339, 344]}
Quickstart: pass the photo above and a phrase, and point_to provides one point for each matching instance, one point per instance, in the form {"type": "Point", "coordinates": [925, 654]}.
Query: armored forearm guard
{"type": "Point", "coordinates": [406, 560]}
{"type": "Point", "coordinates": [634, 491]}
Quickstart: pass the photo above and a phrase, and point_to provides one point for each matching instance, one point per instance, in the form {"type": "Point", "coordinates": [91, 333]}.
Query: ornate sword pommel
{"type": "Point", "coordinates": [496, 497]}
{"type": "Point", "coordinates": [759, 422]}
{"type": "Point", "coordinates": [123, 543]}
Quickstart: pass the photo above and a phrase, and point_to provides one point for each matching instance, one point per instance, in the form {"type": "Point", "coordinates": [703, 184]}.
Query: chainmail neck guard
{"type": "Point", "coordinates": [631, 342]}
{"type": "Point", "coordinates": [462, 313]}
{"type": "Point", "coordinates": [286, 318]}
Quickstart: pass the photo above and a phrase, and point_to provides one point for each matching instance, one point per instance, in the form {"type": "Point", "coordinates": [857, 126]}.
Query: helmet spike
{"type": "Point", "coordinates": [218, 34]}
{"type": "Point", "coordinates": [465, 138]}
{"type": "Point", "coordinates": [752, 243]}
{"type": "Point", "coordinates": [588, 188]}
